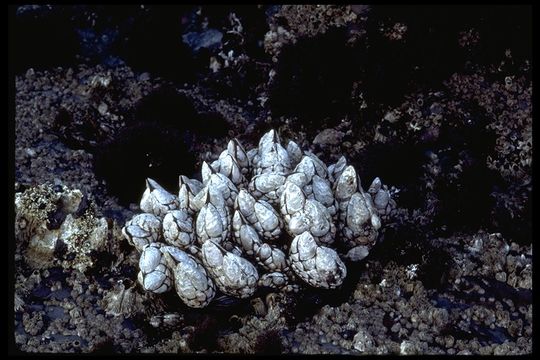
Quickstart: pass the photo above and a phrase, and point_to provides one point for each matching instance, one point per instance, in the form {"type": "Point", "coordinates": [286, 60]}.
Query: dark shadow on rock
{"type": "Point", "coordinates": [165, 107]}
{"type": "Point", "coordinates": [396, 164]}
{"type": "Point", "coordinates": [140, 152]}
{"type": "Point", "coordinates": [153, 43]}
{"type": "Point", "coordinates": [43, 37]}
{"type": "Point", "coordinates": [314, 79]}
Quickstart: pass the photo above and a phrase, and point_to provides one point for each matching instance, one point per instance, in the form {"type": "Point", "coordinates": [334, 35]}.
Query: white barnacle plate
{"type": "Point", "coordinates": [213, 218]}
{"type": "Point", "coordinates": [156, 200]}
{"type": "Point", "coordinates": [260, 214]}
{"type": "Point", "coordinates": [267, 187]}
{"type": "Point", "coordinates": [178, 229]}
{"type": "Point", "coordinates": [238, 153]}
{"type": "Point", "coordinates": [192, 282]}
{"type": "Point", "coordinates": [244, 234]}
{"type": "Point", "coordinates": [361, 220]}
{"type": "Point", "coordinates": [317, 265]}
{"type": "Point", "coordinates": [272, 157]}
{"type": "Point", "coordinates": [335, 170]}
{"type": "Point", "coordinates": [189, 188]}
{"type": "Point", "coordinates": [227, 166]}
{"type": "Point", "coordinates": [233, 274]}
{"type": "Point", "coordinates": [141, 230]}
{"type": "Point", "coordinates": [295, 153]}
{"type": "Point", "coordinates": [346, 185]}
{"type": "Point", "coordinates": [274, 280]}
{"type": "Point", "coordinates": [154, 275]}
{"type": "Point", "coordinates": [220, 183]}
{"type": "Point", "coordinates": [292, 201]}
{"type": "Point", "coordinates": [271, 258]}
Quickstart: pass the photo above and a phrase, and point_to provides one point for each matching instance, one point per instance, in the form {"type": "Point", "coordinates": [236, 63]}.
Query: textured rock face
{"type": "Point", "coordinates": [273, 216]}
{"type": "Point", "coordinates": [56, 223]}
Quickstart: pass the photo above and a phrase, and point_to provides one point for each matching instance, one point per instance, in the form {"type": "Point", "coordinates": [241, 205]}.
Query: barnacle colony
{"type": "Point", "coordinates": [271, 216]}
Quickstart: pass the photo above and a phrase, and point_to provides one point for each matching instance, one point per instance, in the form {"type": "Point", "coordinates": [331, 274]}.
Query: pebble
{"type": "Point", "coordinates": [30, 152]}
{"type": "Point", "coordinates": [102, 108]}
{"type": "Point", "coordinates": [329, 137]}
{"type": "Point", "coordinates": [144, 76]}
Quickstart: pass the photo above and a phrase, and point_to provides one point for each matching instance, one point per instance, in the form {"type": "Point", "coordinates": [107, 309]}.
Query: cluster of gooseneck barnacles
{"type": "Point", "coordinates": [266, 217]}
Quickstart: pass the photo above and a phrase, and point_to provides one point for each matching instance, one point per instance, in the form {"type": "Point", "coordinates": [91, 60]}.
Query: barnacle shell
{"type": "Point", "coordinates": [142, 230]}
{"type": "Point", "coordinates": [271, 258]}
{"type": "Point", "coordinates": [267, 187]}
{"type": "Point", "coordinates": [226, 232]}
{"type": "Point", "coordinates": [178, 229]}
{"type": "Point", "coordinates": [155, 275]}
{"type": "Point", "coordinates": [236, 150]}
{"type": "Point", "coordinates": [156, 200]}
{"type": "Point", "coordinates": [188, 189]}
{"type": "Point", "coordinates": [317, 265]}
{"type": "Point", "coordinates": [312, 165]}
{"type": "Point", "coordinates": [357, 253]}
{"type": "Point", "coordinates": [302, 214]}
{"type": "Point", "coordinates": [244, 234]}
{"type": "Point", "coordinates": [213, 218]}
{"type": "Point", "coordinates": [295, 153]}
{"type": "Point", "coordinates": [233, 274]}
{"type": "Point", "coordinates": [272, 157]}
{"type": "Point", "coordinates": [274, 280]}
{"type": "Point", "coordinates": [211, 224]}
{"type": "Point", "coordinates": [220, 182]}
{"type": "Point", "coordinates": [227, 166]}
{"type": "Point", "coordinates": [347, 184]}
{"type": "Point", "coordinates": [359, 221]}
{"type": "Point", "coordinates": [191, 280]}
{"type": "Point", "coordinates": [335, 170]}
{"type": "Point", "coordinates": [381, 197]}
{"type": "Point", "coordinates": [260, 214]}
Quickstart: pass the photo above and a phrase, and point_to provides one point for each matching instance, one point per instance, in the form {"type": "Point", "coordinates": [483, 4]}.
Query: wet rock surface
{"type": "Point", "coordinates": [443, 116]}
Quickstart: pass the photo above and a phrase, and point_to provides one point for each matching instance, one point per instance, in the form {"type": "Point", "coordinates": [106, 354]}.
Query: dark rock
{"type": "Point", "coordinates": [208, 39]}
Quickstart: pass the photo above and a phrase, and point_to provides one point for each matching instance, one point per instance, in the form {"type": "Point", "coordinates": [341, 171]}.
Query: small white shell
{"type": "Point", "coordinates": [178, 229]}
{"type": "Point", "coordinates": [267, 187]}
{"type": "Point", "coordinates": [335, 170]}
{"type": "Point", "coordinates": [142, 230]}
{"type": "Point", "coordinates": [228, 166]}
{"type": "Point", "coordinates": [189, 188]}
{"type": "Point", "coordinates": [156, 200]}
{"type": "Point", "coordinates": [292, 200]}
{"type": "Point", "coordinates": [275, 280]}
{"type": "Point", "coordinates": [360, 221]}
{"type": "Point", "coordinates": [236, 150]}
{"type": "Point", "coordinates": [211, 224]}
{"type": "Point", "coordinates": [358, 253]}
{"type": "Point", "coordinates": [347, 184]}
{"type": "Point", "coordinates": [303, 214]}
{"type": "Point", "coordinates": [317, 265]}
{"type": "Point", "coordinates": [272, 157]}
{"type": "Point", "coordinates": [221, 183]}
{"type": "Point", "coordinates": [232, 274]}
{"type": "Point", "coordinates": [260, 214]}
{"type": "Point", "coordinates": [244, 234]}
{"type": "Point", "coordinates": [295, 153]}
{"type": "Point", "coordinates": [381, 197]}
{"type": "Point", "coordinates": [310, 167]}
{"type": "Point", "coordinates": [192, 282]}
{"type": "Point", "coordinates": [154, 276]}
{"type": "Point", "coordinates": [271, 258]}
